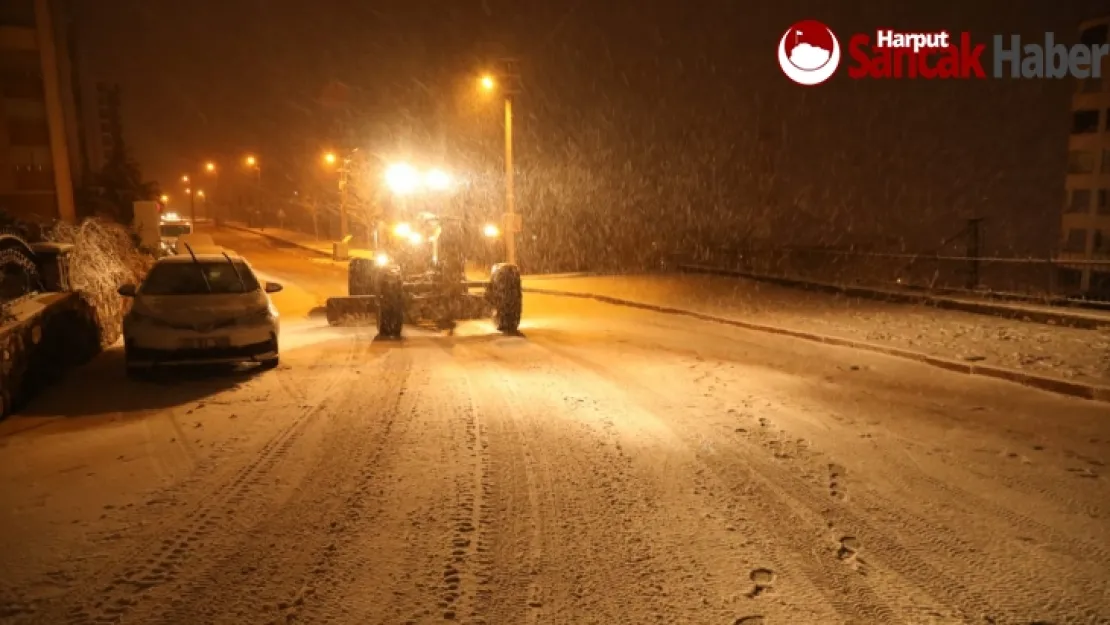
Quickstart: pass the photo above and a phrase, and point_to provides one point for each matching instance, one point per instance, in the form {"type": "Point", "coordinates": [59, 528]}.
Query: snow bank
{"type": "Point", "coordinates": [1068, 353]}
{"type": "Point", "coordinates": [104, 257]}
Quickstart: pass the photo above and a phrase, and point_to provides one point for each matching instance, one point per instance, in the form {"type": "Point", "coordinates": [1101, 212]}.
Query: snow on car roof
{"type": "Point", "coordinates": [205, 253]}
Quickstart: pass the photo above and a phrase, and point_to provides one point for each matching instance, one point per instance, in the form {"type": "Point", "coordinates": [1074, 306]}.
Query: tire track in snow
{"type": "Point", "coordinates": [650, 564]}
{"type": "Point", "coordinates": [385, 531]}
{"type": "Point", "coordinates": [256, 576]}
{"type": "Point", "coordinates": [522, 493]}
{"type": "Point", "coordinates": [847, 592]}
{"type": "Point", "coordinates": [160, 560]}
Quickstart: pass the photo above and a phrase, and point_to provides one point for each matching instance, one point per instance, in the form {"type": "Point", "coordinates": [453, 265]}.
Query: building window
{"type": "Point", "coordinates": [1103, 204]}
{"type": "Point", "coordinates": [1095, 35]}
{"type": "Point", "coordinates": [1084, 122]}
{"type": "Point", "coordinates": [1076, 241]}
{"type": "Point", "coordinates": [1079, 201]}
{"type": "Point", "coordinates": [1102, 242]}
{"type": "Point", "coordinates": [1081, 162]}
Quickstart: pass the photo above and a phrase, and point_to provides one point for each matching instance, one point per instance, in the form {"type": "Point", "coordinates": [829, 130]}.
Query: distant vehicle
{"type": "Point", "coordinates": [200, 307]}
{"type": "Point", "coordinates": [171, 228]}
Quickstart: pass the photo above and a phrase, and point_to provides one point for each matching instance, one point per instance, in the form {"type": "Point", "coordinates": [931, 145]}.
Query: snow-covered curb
{"type": "Point", "coordinates": [1039, 314]}
{"type": "Point", "coordinates": [1046, 383]}
{"type": "Point", "coordinates": [273, 237]}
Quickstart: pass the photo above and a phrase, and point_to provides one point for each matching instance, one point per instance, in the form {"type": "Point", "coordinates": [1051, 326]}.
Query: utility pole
{"type": "Point", "coordinates": [512, 219]}
{"type": "Point", "coordinates": [510, 208]}
{"type": "Point", "coordinates": [343, 179]}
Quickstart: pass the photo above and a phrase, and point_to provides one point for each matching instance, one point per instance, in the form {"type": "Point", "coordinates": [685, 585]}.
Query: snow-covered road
{"type": "Point", "coordinates": [613, 466]}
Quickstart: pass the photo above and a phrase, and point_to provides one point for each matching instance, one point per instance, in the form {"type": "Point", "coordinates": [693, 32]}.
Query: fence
{"type": "Point", "coordinates": [1046, 279]}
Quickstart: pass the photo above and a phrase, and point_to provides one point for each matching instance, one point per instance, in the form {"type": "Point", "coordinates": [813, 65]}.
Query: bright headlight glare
{"type": "Point", "coordinates": [416, 238]}
{"type": "Point", "coordinates": [491, 231]}
{"type": "Point", "coordinates": [381, 260]}
{"type": "Point", "coordinates": [402, 230]}
{"type": "Point", "coordinates": [402, 178]}
{"type": "Point", "coordinates": [437, 179]}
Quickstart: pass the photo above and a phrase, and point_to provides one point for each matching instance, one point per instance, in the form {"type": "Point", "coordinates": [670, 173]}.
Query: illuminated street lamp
{"type": "Point", "coordinates": [165, 198]}
{"type": "Point", "coordinates": [251, 161]}
{"type": "Point", "coordinates": [185, 179]}
{"type": "Point", "coordinates": [200, 192]}
{"type": "Point", "coordinates": [330, 158]}
{"type": "Point", "coordinates": [488, 84]}
{"type": "Point", "coordinates": [210, 167]}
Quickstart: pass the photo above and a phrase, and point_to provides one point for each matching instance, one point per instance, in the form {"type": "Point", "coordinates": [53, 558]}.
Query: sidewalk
{"type": "Point", "coordinates": [299, 239]}
{"type": "Point", "coordinates": [961, 340]}
{"type": "Point", "coordinates": [1088, 318]}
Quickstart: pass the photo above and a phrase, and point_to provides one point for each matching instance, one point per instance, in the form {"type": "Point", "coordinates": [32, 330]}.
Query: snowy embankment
{"type": "Point", "coordinates": [1079, 355]}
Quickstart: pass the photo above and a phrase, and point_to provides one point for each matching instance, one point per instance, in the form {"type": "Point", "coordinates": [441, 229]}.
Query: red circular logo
{"type": "Point", "coordinates": [809, 52]}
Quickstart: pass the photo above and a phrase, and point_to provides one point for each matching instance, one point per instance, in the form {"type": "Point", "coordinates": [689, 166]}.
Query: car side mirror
{"type": "Point", "coordinates": [273, 287]}
{"type": "Point", "coordinates": [127, 290]}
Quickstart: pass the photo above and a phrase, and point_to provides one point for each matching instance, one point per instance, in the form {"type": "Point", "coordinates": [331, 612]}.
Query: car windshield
{"type": "Point", "coordinates": [175, 230]}
{"type": "Point", "coordinates": [189, 278]}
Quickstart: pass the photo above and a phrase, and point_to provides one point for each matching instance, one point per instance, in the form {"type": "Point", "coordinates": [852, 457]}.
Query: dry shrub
{"type": "Point", "coordinates": [104, 258]}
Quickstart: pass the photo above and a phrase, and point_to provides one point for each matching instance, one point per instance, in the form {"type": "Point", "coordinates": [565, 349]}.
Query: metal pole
{"type": "Point", "coordinates": [343, 200]}
{"type": "Point", "coordinates": [510, 210]}
{"type": "Point", "coordinates": [193, 205]}
{"type": "Point", "coordinates": [974, 236]}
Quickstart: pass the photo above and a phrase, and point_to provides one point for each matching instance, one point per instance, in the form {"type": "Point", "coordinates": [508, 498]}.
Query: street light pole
{"type": "Point", "coordinates": [344, 173]}
{"type": "Point", "coordinates": [193, 207]}
{"type": "Point", "coordinates": [510, 209]}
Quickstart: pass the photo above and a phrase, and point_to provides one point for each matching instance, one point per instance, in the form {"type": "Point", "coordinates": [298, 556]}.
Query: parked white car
{"type": "Point", "coordinates": [200, 306]}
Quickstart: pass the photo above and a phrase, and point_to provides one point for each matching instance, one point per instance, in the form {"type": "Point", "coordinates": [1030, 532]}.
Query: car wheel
{"type": "Point", "coordinates": [269, 363]}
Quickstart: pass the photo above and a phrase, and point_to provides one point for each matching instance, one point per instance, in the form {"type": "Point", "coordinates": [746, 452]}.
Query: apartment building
{"type": "Point", "coordinates": [41, 142]}
{"type": "Point", "coordinates": [1085, 228]}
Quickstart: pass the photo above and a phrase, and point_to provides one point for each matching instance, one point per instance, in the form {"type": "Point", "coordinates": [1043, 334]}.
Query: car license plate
{"type": "Point", "coordinates": [206, 343]}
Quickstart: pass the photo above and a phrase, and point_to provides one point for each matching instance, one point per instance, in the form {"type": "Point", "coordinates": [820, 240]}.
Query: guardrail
{"type": "Point", "coordinates": [1051, 281]}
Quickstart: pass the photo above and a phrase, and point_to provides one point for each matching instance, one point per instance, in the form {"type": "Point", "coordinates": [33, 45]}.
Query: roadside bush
{"type": "Point", "coordinates": [104, 258]}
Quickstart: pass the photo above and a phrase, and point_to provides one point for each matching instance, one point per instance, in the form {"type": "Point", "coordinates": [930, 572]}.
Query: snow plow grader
{"type": "Point", "coordinates": [418, 276]}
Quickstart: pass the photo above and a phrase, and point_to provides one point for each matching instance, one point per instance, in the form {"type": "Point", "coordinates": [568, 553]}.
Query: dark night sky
{"type": "Point", "coordinates": [650, 95]}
